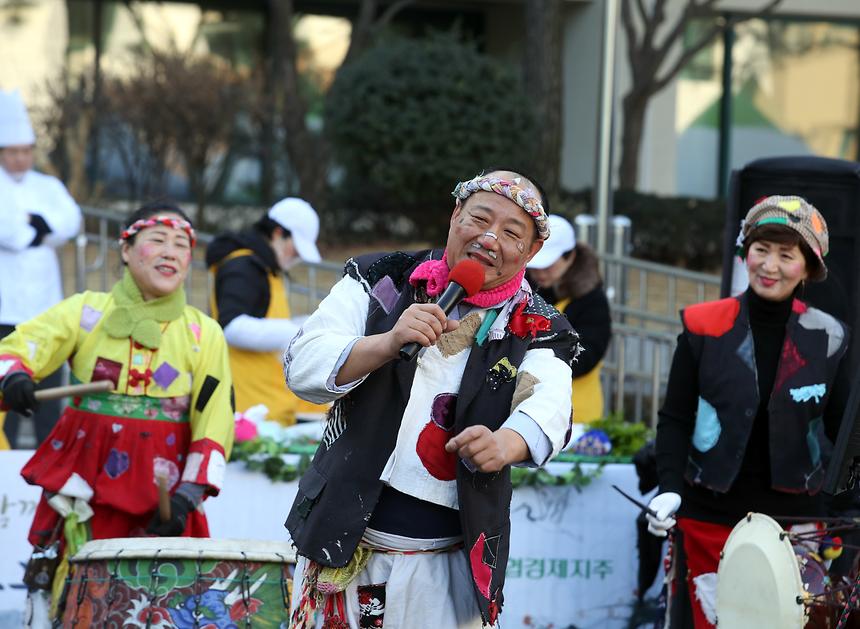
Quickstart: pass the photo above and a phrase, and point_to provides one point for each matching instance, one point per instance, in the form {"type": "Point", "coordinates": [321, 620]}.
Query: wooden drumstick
{"type": "Point", "coordinates": [163, 498]}
{"type": "Point", "coordinates": [100, 386]}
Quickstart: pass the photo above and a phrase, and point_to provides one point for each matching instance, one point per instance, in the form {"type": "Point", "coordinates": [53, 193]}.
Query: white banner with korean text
{"type": "Point", "coordinates": [573, 560]}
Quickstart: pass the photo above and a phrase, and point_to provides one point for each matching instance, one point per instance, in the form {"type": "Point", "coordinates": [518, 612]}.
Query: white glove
{"type": "Point", "coordinates": [665, 505]}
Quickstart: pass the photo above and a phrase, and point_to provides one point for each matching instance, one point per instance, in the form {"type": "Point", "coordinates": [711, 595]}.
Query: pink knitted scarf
{"type": "Point", "coordinates": [435, 273]}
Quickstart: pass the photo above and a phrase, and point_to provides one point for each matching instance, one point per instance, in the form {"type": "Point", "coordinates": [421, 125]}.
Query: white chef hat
{"type": "Point", "coordinates": [15, 128]}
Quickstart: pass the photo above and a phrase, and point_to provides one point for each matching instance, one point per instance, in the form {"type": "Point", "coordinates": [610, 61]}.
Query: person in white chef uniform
{"type": "Point", "coordinates": [37, 215]}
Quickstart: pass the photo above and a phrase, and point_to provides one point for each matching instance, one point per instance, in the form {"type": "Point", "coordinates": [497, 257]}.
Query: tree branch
{"type": "Point", "coordinates": [685, 57]}
{"type": "Point", "coordinates": [643, 12]}
{"type": "Point", "coordinates": [361, 30]}
{"type": "Point", "coordinates": [392, 10]}
{"type": "Point", "coordinates": [677, 30]}
{"type": "Point", "coordinates": [652, 24]}
{"type": "Point", "coordinates": [630, 35]}
{"type": "Point", "coordinates": [703, 41]}
{"type": "Point", "coordinates": [765, 10]}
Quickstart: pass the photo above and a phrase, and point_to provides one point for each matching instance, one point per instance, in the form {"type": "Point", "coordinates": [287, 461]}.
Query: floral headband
{"type": "Point", "coordinates": [169, 221]}
{"type": "Point", "coordinates": [513, 191]}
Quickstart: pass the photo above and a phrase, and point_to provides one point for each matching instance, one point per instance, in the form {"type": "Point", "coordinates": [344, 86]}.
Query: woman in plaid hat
{"type": "Point", "coordinates": [756, 389]}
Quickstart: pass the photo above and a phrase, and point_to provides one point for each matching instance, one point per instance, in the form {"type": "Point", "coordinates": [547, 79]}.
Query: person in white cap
{"type": "Point", "coordinates": [250, 303]}
{"type": "Point", "coordinates": [566, 273]}
{"type": "Point", "coordinates": [38, 215]}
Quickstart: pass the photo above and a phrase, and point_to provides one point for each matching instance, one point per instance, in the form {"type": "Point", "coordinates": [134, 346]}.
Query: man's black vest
{"type": "Point", "coordinates": [339, 491]}
{"type": "Point", "coordinates": [721, 339]}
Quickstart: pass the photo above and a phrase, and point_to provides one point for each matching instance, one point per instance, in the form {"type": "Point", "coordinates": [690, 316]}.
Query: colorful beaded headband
{"type": "Point", "coordinates": [168, 221]}
{"type": "Point", "coordinates": [513, 191]}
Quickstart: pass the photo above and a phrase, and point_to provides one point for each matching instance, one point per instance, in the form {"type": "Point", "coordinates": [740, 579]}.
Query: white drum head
{"type": "Point", "coordinates": [187, 548]}
{"type": "Point", "coordinates": [759, 579]}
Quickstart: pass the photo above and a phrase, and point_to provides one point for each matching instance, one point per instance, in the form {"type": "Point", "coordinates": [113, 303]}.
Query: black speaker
{"type": "Point", "coordinates": [832, 186]}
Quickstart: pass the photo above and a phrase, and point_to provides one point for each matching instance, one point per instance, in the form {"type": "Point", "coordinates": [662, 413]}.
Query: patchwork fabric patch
{"type": "Point", "coordinates": [430, 446]}
{"type": "Point", "coordinates": [789, 364]}
{"type": "Point", "coordinates": [9, 364]}
{"type": "Point", "coordinates": [371, 605]}
{"type": "Point", "coordinates": [117, 463]}
{"type": "Point", "coordinates": [525, 388]}
{"type": "Point", "coordinates": [394, 265]}
{"type": "Point", "coordinates": [816, 426]}
{"type": "Point", "coordinates": [705, 587]}
{"type": "Point", "coordinates": [89, 317]}
{"type": "Point", "coordinates": [708, 427]}
{"type": "Point", "coordinates": [452, 343]}
{"type": "Point", "coordinates": [809, 392]}
{"type": "Point", "coordinates": [815, 319]}
{"type": "Point", "coordinates": [500, 373]}
{"type": "Point", "coordinates": [167, 469]}
{"type": "Point", "coordinates": [385, 293]}
{"type": "Point", "coordinates": [165, 375]}
{"type": "Point", "coordinates": [195, 330]}
{"type": "Point", "coordinates": [481, 572]}
{"type": "Point", "coordinates": [712, 318]}
{"type": "Point", "coordinates": [539, 306]}
{"type": "Point", "coordinates": [106, 369]}
{"type": "Point", "coordinates": [335, 423]}
{"type": "Point", "coordinates": [746, 352]}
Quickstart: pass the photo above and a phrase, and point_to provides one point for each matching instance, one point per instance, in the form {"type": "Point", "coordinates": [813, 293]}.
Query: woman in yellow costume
{"type": "Point", "coordinates": [566, 274]}
{"type": "Point", "coordinates": [167, 416]}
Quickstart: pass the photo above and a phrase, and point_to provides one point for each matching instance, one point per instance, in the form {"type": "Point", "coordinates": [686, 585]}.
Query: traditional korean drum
{"type": "Point", "coordinates": [767, 578]}
{"type": "Point", "coordinates": [171, 582]}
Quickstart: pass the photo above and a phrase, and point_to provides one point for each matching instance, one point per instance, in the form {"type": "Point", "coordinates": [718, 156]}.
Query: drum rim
{"type": "Point", "coordinates": [167, 548]}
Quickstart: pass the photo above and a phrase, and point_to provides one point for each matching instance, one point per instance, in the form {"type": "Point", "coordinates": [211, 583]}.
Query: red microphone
{"type": "Point", "coordinates": [465, 280]}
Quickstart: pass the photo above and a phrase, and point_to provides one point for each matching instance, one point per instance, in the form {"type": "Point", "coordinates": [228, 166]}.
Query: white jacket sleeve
{"type": "Point", "coordinates": [63, 216]}
{"type": "Point", "coordinates": [545, 383]}
{"type": "Point", "coordinates": [262, 335]}
{"type": "Point", "coordinates": [16, 234]}
{"type": "Point", "coordinates": [315, 354]}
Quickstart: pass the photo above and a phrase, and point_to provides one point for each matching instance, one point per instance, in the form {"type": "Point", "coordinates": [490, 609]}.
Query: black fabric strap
{"type": "Point", "coordinates": [209, 385]}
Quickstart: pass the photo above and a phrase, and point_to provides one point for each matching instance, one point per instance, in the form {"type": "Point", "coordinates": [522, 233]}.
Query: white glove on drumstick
{"type": "Point", "coordinates": [664, 506]}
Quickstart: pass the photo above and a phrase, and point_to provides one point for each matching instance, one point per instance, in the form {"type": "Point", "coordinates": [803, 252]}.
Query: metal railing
{"type": "Point", "coordinates": [645, 298]}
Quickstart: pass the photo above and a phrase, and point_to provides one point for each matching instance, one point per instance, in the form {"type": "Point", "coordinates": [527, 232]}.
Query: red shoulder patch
{"type": "Point", "coordinates": [712, 318]}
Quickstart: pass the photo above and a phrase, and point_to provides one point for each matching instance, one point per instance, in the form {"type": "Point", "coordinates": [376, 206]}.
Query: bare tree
{"type": "Point", "coordinates": [64, 127]}
{"type": "Point", "coordinates": [652, 67]}
{"type": "Point", "coordinates": [542, 77]}
{"type": "Point", "coordinates": [309, 152]}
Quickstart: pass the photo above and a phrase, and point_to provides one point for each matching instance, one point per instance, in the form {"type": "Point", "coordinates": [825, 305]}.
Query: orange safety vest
{"type": "Point", "coordinates": [258, 377]}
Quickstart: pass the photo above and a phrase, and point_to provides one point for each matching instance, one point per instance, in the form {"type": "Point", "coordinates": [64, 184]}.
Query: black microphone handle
{"type": "Point", "coordinates": [450, 297]}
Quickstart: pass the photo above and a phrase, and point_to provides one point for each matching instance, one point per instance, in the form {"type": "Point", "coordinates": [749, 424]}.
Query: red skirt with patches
{"type": "Point", "coordinates": [118, 458]}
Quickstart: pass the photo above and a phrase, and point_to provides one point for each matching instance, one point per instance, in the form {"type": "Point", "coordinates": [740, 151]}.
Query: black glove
{"type": "Point", "coordinates": [19, 393]}
{"type": "Point", "coordinates": [180, 507]}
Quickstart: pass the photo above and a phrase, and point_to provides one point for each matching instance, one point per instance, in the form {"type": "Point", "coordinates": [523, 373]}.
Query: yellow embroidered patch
{"type": "Point", "coordinates": [790, 205]}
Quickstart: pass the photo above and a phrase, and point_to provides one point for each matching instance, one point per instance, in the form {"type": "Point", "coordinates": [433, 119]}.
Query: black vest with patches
{"type": "Point", "coordinates": [339, 491]}
{"type": "Point", "coordinates": [728, 394]}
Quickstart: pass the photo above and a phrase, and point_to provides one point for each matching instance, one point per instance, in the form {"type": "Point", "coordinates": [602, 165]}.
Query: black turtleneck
{"type": "Point", "coordinates": [751, 490]}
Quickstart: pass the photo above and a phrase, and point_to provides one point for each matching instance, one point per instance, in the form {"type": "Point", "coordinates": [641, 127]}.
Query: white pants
{"type": "Point", "coordinates": [407, 591]}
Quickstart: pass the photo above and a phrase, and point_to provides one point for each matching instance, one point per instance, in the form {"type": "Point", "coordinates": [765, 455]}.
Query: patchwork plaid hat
{"type": "Point", "coordinates": [795, 213]}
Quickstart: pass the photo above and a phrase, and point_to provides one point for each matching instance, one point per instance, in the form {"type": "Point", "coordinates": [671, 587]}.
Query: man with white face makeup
{"type": "Point", "coordinates": [402, 518]}
{"type": "Point", "coordinates": [38, 215]}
